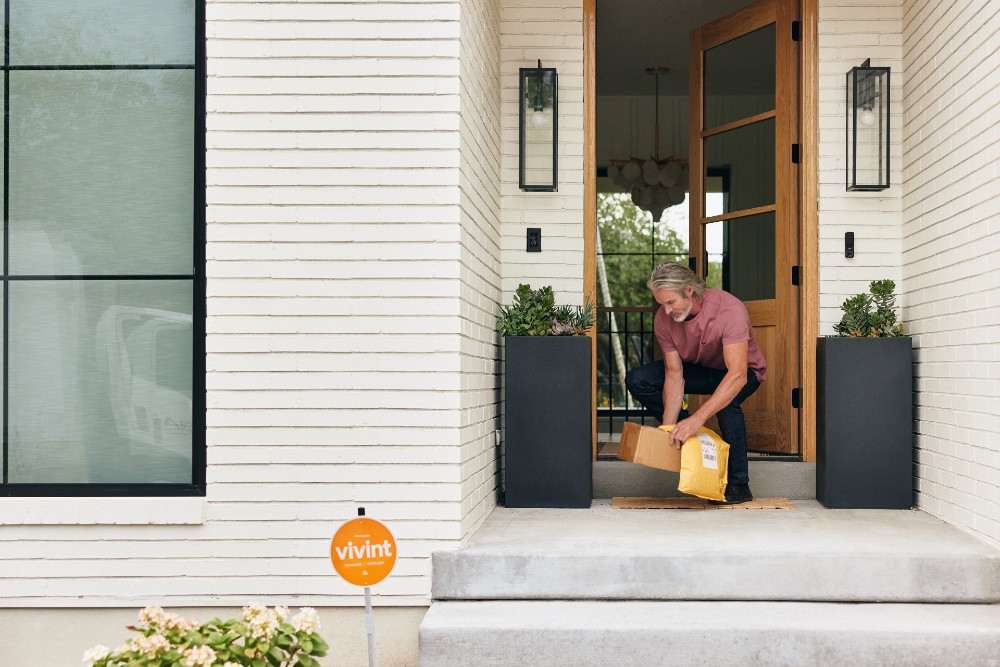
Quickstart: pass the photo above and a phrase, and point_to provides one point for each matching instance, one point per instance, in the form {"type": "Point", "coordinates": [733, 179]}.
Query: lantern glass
{"type": "Point", "coordinates": [868, 128]}
{"type": "Point", "coordinates": [539, 131]}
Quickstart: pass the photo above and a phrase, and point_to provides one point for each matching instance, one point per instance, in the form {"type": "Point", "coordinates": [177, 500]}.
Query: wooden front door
{"type": "Point", "coordinates": [744, 198]}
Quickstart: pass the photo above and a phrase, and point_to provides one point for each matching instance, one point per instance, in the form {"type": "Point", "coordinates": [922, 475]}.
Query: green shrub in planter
{"type": "Point", "coordinates": [547, 432]}
{"type": "Point", "coordinates": [535, 313]}
{"type": "Point", "coordinates": [871, 316]}
{"type": "Point", "coordinates": [864, 407]}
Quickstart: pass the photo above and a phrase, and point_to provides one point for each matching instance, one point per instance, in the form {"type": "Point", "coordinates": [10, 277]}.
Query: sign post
{"type": "Point", "coordinates": [363, 552]}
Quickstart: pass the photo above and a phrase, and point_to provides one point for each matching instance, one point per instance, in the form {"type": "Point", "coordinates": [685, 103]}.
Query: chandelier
{"type": "Point", "coordinates": [655, 184]}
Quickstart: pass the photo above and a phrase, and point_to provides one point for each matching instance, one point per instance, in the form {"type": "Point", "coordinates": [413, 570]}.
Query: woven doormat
{"type": "Point", "coordinates": [698, 504]}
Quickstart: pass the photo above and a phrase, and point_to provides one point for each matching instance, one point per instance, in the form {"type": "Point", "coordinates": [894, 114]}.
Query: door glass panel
{"type": "Point", "coordinates": [740, 256]}
{"type": "Point", "coordinates": [746, 156]}
{"type": "Point", "coordinates": [739, 77]}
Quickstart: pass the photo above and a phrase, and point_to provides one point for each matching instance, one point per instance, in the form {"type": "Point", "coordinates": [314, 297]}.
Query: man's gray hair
{"type": "Point", "coordinates": [675, 278]}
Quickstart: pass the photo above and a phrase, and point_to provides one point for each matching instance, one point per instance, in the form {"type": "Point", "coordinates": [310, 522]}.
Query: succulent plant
{"type": "Point", "coordinates": [871, 316]}
{"type": "Point", "coordinates": [534, 313]}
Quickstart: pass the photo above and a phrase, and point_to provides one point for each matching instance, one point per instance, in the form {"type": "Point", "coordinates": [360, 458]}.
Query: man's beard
{"type": "Point", "coordinates": [687, 311]}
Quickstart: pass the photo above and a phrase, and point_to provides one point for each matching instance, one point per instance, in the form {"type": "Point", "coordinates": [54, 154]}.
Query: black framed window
{"type": "Point", "coordinates": [103, 248]}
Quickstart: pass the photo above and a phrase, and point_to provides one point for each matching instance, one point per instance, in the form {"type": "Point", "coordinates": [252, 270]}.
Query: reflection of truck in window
{"type": "Point", "coordinates": [148, 355]}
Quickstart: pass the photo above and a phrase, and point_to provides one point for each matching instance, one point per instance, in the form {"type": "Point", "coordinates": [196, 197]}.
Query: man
{"type": "Point", "coordinates": [708, 348]}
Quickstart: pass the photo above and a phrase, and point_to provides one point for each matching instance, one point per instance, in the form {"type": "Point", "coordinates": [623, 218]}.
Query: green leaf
{"type": "Point", "coordinates": [284, 641]}
{"type": "Point", "coordinates": [306, 661]}
{"type": "Point", "coordinates": [319, 644]}
{"type": "Point", "coordinates": [307, 645]}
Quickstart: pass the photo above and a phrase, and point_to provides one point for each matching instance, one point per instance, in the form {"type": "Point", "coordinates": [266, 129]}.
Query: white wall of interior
{"type": "Point", "coordinates": [951, 254]}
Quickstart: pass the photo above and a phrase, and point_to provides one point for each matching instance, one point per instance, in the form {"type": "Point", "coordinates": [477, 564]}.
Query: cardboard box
{"type": "Point", "coordinates": [649, 447]}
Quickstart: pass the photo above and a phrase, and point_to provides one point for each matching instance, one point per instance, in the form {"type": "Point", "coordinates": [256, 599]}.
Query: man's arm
{"type": "Point", "coordinates": [735, 356]}
{"type": "Point", "coordinates": [673, 386]}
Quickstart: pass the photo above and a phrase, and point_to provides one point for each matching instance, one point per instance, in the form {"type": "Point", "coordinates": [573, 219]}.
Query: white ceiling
{"type": "Point", "coordinates": [635, 34]}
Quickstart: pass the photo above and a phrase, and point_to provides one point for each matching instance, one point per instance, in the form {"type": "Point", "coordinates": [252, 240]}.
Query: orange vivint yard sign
{"type": "Point", "coordinates": [363, 552]}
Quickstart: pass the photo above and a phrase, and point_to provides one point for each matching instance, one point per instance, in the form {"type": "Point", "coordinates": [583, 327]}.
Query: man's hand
{"type": "Point", "coordinates": [684, 429]}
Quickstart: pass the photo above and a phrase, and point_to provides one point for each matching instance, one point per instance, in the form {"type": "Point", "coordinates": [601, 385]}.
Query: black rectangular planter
{"type": "Point", "coordinates": [547, 421]}
{"type": "Point", "coordinates": [864, 422]}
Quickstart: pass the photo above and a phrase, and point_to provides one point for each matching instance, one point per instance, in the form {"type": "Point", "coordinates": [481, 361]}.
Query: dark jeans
{"type": "Point", "coordinates": [645, 383]}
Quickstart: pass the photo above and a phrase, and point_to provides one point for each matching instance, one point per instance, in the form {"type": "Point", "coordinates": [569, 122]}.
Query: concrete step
{"type": "Point", "coordinates": [601, 633]}
{"type": "Point", "coordinates": [807, 554]}
{"type": "Point", "coordinates": [768, 479]}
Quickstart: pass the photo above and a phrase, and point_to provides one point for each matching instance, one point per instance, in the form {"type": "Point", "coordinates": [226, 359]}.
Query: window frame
{"type": "Point", "coordinates": [197, 487]}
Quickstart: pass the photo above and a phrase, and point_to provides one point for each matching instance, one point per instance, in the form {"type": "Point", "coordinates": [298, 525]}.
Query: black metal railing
{"type": "Point", "coordinates": [632, 327]}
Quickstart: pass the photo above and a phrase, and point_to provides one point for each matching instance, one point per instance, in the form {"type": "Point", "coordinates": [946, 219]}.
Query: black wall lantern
{"type": "Point", "coordinates": [868, 128]}
{"type": "Point", "coordinates": [539, 129]}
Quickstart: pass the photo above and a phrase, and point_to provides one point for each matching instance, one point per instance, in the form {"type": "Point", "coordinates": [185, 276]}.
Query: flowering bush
{"type": "Point", "coordinates": [259, 637]}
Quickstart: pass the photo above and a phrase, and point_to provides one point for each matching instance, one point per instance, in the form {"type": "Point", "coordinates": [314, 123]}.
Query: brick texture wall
{"type": "Point", "coordinates": [849, 32]}
{"type": "Point", "coordinates": [551, 30]}
{"type": "Point", "coordinates": [480, 267]}
{"type": "Point", "coordinates": [951, 254]}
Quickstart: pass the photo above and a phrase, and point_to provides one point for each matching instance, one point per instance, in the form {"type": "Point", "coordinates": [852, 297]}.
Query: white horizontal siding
{"type": "Point", "coordinates": [849, 32]}
{"type": "Point", "coordinates": [951, 247]}
{"type": "Point", "coordinates": [353, 281]}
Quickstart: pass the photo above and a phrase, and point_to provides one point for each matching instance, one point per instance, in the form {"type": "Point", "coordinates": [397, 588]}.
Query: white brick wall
{"type": "Point", "coordinates": [849, 32]}
{"type": "Point", "coordinates": [551, 30]}
{"type": "Point", "coordinates": [480, 256]}
{"type": "Point", "coordinates": [352, 281]}
{"type": "Point", "coordinates": [335, 321]}
{"type": "Point", "coordinates": [951, 254]}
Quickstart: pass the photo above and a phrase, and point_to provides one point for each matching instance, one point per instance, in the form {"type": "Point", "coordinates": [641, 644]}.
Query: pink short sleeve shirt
{"type": "Point", "coordinates": [722, 320]}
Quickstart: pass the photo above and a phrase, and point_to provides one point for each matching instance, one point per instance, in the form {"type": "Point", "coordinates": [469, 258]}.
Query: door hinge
{"type": "Point", "coordinates": [796, 31]}
{"type": "Point", "coordinates": [796, 398]}
{"type": "Point", "coordinates": [795, 275]}
{"type": "Point", "coordinates": [795, 153]}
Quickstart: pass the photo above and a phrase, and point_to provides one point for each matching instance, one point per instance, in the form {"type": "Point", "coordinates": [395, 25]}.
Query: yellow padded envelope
{"type": "Point", "coordinates": [704, 464]}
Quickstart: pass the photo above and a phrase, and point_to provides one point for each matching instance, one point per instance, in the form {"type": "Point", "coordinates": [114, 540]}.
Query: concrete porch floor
{"type": "Point", "coordinates": [809, 586]}
{"type": "Point", "coordinates": [810, 553]}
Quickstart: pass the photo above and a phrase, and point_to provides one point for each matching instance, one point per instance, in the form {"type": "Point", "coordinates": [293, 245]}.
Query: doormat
{"type": "Point", "coordinates": [698, 504]}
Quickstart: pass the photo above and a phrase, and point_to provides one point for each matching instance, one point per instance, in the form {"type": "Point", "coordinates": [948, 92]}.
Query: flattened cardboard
{"type": "Point", "coordinates": [649, 447]}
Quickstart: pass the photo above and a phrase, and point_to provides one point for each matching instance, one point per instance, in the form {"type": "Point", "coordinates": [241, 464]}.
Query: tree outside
{"type": "Point", "coordinates": [630, 245]}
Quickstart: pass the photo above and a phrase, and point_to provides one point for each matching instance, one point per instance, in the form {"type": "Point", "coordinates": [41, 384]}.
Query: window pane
{"type": "Point", "coordinates": [741, 256]}
{"type": "Point", "coordinates": [101, 32]}
{"type": "Point", "coordinates": [740, 77]}
{"type": "Point", "coordinates": [102, 380]}
{"type": "Point", "coordinates": [746, 155]}
{"type": "Point", "coordinates": [100, 172]}
{"type": "Point", "coordinates": [626, 278]}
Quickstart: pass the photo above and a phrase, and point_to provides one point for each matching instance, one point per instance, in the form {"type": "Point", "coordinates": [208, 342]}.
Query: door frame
{"type": "Point", "coordinates": [808, 209]}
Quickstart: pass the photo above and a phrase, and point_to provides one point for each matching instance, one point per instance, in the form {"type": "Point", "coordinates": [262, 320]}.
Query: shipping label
{"type": "Point", "coordinates": [709, 452]}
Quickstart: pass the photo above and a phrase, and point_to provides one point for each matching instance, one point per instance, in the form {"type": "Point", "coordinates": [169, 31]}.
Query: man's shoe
{"type": "Point", "coordinates": [735, 494]}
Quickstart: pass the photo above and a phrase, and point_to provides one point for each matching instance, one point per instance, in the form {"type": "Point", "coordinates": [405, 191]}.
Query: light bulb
{"type": "Point", "coordinates": [538, 119]}
{"type": "Point", "coordinates": [866, 117]}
